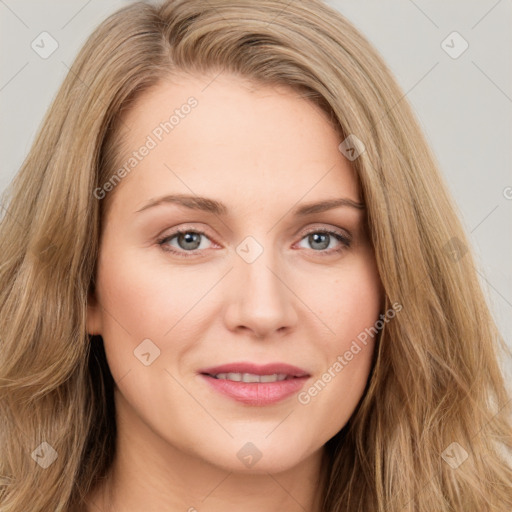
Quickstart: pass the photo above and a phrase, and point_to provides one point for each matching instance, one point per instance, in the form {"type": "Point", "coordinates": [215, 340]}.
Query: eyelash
{"type": "Point", "coordinates": [344, 240]}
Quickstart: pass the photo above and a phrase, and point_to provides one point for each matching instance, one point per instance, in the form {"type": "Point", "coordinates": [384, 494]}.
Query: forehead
{"type": "Point", "coordinates": [226, 137]}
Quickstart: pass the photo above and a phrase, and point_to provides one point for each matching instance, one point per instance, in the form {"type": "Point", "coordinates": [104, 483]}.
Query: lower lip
{"type": "Point", "coordinates": [257, 393]}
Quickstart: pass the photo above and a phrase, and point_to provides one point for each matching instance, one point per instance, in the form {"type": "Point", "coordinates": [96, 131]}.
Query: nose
{"type": "Point", "coordinates": [261, 298]}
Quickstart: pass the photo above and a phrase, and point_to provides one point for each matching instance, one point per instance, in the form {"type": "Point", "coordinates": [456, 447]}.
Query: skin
{"type": "Point", "coordinates": [262, 151]}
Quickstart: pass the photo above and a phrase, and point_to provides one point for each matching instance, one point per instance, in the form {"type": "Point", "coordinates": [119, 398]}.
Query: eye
{"type": "Point", "coordinates": [189, 242]}
{"type": "Point", "coordinates": [186, 241]}
{"type": "Point", "coordinates": [321, 239]}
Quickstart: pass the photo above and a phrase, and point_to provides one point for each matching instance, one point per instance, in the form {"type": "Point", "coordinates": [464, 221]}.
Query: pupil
{"type": "Point", "coordinates": [191, 240]}
{"type": "Point", "coordinates": [316, 238]}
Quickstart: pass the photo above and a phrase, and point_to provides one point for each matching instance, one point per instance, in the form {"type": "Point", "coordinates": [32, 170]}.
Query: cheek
{"type": "Point", "coordinates": [132, 307]}
{"type": "Point", "coordinates": [351, 302]}
{"type": "Point", "coordinates": [350, 308]}
{"type": "Point", "coordinates": [146, 297]}
{"type": "Point", "coordinates": [142, 301]}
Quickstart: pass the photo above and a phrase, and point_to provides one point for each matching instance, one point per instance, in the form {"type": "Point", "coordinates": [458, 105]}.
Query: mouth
{"type": "Point", "coordinates": [256, 385]}
{"type": "Point", "coordinates": [251, 377]}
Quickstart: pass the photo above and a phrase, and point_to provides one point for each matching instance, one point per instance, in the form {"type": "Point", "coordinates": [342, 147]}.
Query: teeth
{"type": "Point", "coordinates": [251, 377]}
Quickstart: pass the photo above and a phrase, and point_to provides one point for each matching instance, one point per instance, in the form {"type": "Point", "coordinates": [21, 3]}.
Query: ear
{"type": "Point", "coordinates": [94, 316]}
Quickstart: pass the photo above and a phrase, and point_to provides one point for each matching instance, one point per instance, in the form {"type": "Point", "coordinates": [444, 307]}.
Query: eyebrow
{"type": "Point", "coordinates": [218, 208]}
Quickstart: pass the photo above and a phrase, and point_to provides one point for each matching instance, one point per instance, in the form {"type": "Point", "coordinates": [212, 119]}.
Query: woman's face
{"type": "Point", "coordinates": [256, 278]}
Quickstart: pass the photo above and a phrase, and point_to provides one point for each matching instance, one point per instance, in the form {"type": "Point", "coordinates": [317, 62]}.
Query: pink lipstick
{"type": "Point", "coordinates": [255, 384]}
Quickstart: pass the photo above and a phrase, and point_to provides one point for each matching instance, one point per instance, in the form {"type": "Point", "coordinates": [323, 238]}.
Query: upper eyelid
{"type": "Point", "coordinates": [326, 228]}
{"type": "Point", "coordinates": [320, 226]}
{"type": "Point", "coordinates": [312, 229]}
{"type": "Point", "coordinates": [186, 229]}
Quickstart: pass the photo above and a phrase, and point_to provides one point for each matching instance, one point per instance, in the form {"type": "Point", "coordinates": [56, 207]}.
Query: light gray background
{"type": "Point", "coordinates": [463, 104]}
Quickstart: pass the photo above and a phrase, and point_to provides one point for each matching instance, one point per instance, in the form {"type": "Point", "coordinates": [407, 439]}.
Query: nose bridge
{"type": "Point", "coordinates": [257, 266]}
{"type": "Point", "coordinates": [262, 300]}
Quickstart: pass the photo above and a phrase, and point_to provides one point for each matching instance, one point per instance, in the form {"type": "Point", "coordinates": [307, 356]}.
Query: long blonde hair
{"type": "Point", "coordinates": [435, 378]}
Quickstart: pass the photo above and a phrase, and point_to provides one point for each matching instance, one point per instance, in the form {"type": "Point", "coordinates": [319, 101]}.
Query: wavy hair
{"type": "Point", "coordinates": [435, 378]}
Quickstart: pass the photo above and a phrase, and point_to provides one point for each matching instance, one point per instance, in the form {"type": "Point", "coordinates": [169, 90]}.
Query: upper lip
{"type": "Point", "coordinates": [265, 369]}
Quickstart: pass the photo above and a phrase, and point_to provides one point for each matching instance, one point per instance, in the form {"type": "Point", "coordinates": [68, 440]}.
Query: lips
{"type": "Point", "coordinates": [255, 393]}
{"type": "Point", "coordinates": [266, 369]}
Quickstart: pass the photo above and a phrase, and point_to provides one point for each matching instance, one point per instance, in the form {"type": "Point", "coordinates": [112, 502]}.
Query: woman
{"type": "Point", "coordinates": [233, 278]}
